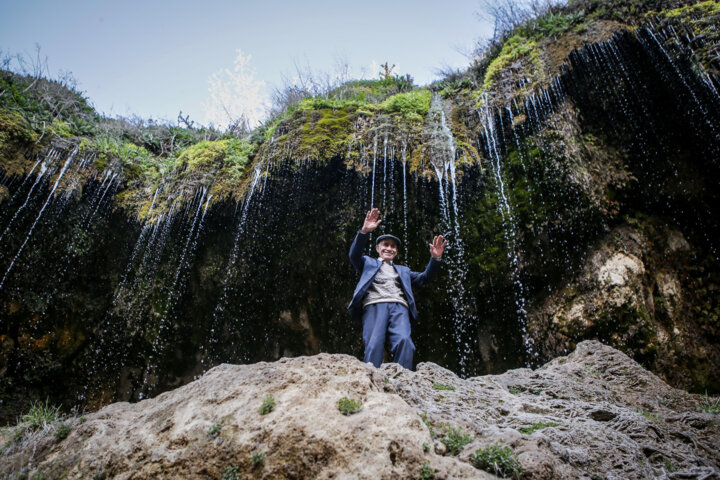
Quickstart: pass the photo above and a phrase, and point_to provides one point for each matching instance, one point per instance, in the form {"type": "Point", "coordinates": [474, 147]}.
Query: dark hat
{"type": "Point", "coordinates": [383, 237]}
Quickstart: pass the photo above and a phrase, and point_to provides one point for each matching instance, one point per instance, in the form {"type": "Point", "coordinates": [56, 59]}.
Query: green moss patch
{"type": "Point", "coordinates": [16, 136]}
{"type": "Point", "coordinates": [413, 106]}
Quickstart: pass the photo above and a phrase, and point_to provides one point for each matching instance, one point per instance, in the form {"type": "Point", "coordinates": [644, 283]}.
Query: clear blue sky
{"type": "Point", "coordinates": [154, 58]}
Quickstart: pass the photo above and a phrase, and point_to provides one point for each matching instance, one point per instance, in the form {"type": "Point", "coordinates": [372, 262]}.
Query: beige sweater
{"type": "Point", "coordinates": [385, 287]}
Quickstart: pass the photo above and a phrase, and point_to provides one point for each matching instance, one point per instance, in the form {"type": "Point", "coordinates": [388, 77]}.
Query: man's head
{"type": "Point", "coordinates": [387, 247]}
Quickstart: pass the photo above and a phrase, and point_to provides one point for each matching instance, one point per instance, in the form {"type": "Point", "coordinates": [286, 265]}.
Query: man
{"type": "Point", "coordinates": [383, 299]}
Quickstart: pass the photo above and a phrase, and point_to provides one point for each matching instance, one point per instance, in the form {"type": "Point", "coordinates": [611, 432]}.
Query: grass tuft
{"type": "Point", "coordinates": [441, 386]}
{"type": "Point", "coordinates": [426, 472]}
{"type": "Point", "coordinates": [537, 426]}
{"type": "Point", "coordinates": [709, 405]}
{"type": "Point", "coordinates": [267, 406]}
{"type": "Point", "coordinates": [257, 457]}
{"type": "Point", "coordinates": [231, 472]}
{"type": "Point", "coordinates": [455, 440]}
{"type": "Point", "coordinates": [498, 460]}
{"type": "Point", "coordinates": [41, 415]}
{"type": "Point", "coordinates": [62, 431]}
{"type": "Point", "coordinates": [348, 406]}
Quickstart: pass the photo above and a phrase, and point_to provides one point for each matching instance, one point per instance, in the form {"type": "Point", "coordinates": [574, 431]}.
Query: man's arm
{"type": "Point", "coordinates": [372, 220]}
{"type": "Point", "coordinates": [437, 247]}
{"type": "Point", "coordinates": [356, 249]}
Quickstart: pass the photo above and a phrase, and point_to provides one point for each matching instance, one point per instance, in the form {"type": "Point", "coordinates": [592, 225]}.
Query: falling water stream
{"type": "Point", "coordinates": [39, 215]}
{"type": "Point", "coordinates": [444, 163]}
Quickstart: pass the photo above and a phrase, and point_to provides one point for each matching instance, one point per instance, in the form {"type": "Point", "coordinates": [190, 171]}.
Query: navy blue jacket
{"type": "Point", "coordinates": [367, 267]}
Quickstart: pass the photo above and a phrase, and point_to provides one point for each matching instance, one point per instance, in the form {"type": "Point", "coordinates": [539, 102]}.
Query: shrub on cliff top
{"type": "Point", "coordinates": [412, 105]}
{"type": "Point", "coordinates": [230, 153]}
{"type": "Point", "coordinates": [514, 47]}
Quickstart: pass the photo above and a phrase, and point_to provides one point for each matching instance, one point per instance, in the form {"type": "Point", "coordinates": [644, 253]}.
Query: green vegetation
{"type": "Point", "coordinates": [16, 135]}
{"type": "Point", "coordinates": [552, 24]}
{"type": "Point", "coordinates": [231, 153]}
{"type": "Point", "coordinates": [426, 472]}
{"type": "Point", "coordinates": [709, 405]}
{"type": "Point", "coordinates": [629, 12]}
{"type": "Point", "coordinates": [701, 19]}
{"type": "Point", "coordinates": [455, 440]}
{"type": "Point", "coordinates": [61, 129]}
{"type": "Point", "coordinates": [231, 472]}
{"type": "Point", "coordinates": [348, 406]}
{"type": "Point", "coordinates": [516, 390]}
{"type": "Point", "coordinates": [650, 416]}
{"type": "Point", "coordinates": [427, 423]}
{"type": "Point", "coordinates": [520, 46]}
{"type": "Point", "coordinates": [48, 105]}
{"type": "Point", "coordinates": [413, 105]}
{"type": "Point", "coordinates": [137, 163]}
{"type": "Point", "coordinates": [257, 458]}
{"type": "Point", "coordinates": [441, 386]}
{"type": "Point", "coordinates": [62, 431]}
{"type": "Point", "coordinates": [267, 406]}
{"type": "Point", "coordinates": [40, 416]}
{"type": "Point", "coordinates": [537, 426]}
{"type": "Point", "coordinates": [35, 111]}
{"type": "Point", "coordinates": [215, 429]}
{"type": "Point", "coordinates": [498, 460]}
{"type": "Point", "coordinates": [514, 48]}
{"type": "Point", "coordinates": [451, 87]}
{"type": "Point", "coordinates": [372, 91]}
{"type": "Point", "coordinates": [700, 9]}
{"type": "Point", "coordinates": [324, 134]}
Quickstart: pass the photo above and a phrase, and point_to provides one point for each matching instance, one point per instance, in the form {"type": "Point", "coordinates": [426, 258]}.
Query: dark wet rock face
{"type": "Point", "coordinates": [637, 290]}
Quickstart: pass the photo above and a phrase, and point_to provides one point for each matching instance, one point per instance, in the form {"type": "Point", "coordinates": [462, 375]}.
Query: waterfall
{"type": "Point", "coordinates": [405, 206]}
{"type": "Point", "coordinates": [372, 175]}
{"type": "Point", "coordinates": [443, 161]}
{"type": "Point", "coordinates": [38, 179]}
{"type": "Point", "coordinates": [39, 215]}
{"type": "Point", "coordinates": [183, 264]}
{"type": "Point", "coordinates": [509, 224]}
{"type": "Point", "coordinates": [218, 313]}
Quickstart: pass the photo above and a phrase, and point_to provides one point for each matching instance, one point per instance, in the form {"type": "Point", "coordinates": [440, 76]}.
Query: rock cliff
{"type": "Point", "coordinates": [573, 165]}
{"type": "Point", "coordinates": [592, 414]}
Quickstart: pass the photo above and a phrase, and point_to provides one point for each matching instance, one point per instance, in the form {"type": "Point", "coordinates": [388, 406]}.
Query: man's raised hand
{"type": "Point", "coordinates": [437, 247]}
{"type": "Point", "coordinates": [372, 220]}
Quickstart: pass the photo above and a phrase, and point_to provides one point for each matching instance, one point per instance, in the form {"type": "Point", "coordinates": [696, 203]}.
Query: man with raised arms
{"type": "Point", "coordinates": [383, 300]}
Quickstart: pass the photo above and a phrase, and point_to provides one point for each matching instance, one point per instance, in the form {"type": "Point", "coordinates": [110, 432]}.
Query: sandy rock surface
{"type": "Point", "coordinates": [593, 414]}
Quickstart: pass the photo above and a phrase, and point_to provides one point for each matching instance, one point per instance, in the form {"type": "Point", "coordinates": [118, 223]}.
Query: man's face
{"type": "Point", "coordinates": [387, 249]}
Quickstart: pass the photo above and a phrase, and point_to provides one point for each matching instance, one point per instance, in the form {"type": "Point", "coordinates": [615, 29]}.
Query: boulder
{"type": "Point", "coordinates": [593, 414]}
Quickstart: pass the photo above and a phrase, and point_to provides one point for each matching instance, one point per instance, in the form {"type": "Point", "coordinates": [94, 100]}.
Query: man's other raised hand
{"type": "Point", "coordinates": [437, 247]}
{"type": "Point", "coordinates": [372, 220]}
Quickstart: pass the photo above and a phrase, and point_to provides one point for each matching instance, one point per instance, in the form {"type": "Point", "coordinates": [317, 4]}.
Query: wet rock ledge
{"type": "Point", "coordinates": [592, 414]}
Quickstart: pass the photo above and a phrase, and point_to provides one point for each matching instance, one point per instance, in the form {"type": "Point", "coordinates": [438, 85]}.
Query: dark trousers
{"type": "Point", "coordinates": [393, 319]}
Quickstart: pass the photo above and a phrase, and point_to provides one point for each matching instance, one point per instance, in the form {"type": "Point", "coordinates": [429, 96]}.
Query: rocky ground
{"type": "Point", "coordinates": [595, 414]}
